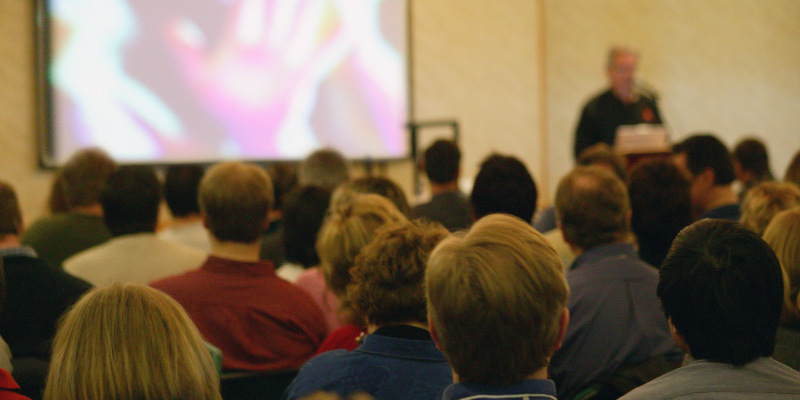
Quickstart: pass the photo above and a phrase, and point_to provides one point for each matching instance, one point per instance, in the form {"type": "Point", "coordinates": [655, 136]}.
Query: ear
{"type": "Point", "coordinates": [678, 337]}
{"type": "Point", "coordinates": [563, 323]}
{"type": "Point", "coordinates": [434, 335]}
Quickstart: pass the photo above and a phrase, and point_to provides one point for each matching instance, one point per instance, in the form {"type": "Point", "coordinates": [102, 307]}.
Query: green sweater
{"type": "Point", "coordinates": [55, 238]}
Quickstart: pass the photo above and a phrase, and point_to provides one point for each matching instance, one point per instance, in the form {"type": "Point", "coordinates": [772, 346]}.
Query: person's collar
{"type": "Point", "coordinates": [529, 389]}
{"type": "Point", "coordinates": [229, 266]}
{"type": "Point", "coordinates": [622, 249]}
{"type": "Point", "coordinates": [20, 251]}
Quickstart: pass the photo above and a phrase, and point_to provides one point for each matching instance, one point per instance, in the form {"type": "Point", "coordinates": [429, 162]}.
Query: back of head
{"type": "Point", "coordinates": [704, 152]}
{"type": "Point", "coordinates": [783, 236]}
{"type": "Point", "coordinates": [234, 199]}
{"type": "Point", "coordinates": [10, 214]}
{"type": "Point", "coordinates": [129, 342]}
{"type": "Point", "coordinates": [751, 155]}
{"type": "Point", "coordinates": [442, 161]}
{"type": "Point", "coordinates": [349, 226]}
{"type": "Point", "coordinates": [484, 279]}
{"type": "Point", "coordinates": [181, 183]}
{"type": "Point", "coordinates": [763, 201]}
{"type": "Point", "coordinates": [326, 168]}
{"type": "Point", "coordinates": [660, 204]}
{"type": "Point", "coordinates": [593, 208]}
{"type": "Point", "coordinates": [601, 154]}
{"type": "Point", "coordinates": [83, 176]}
{"type": "Point", "coordinates": [284, 180]}
{"type": "Point", "coordinates": [792, 174]}
{"type": "Point", "coordinates": [130, 200]}
{"type": "Point", "coordinates": [388, 274]}
{"type": "Point", "coordinates": [384, 187]}
{"type": "Point", "coordinates": [504, 185]}
{"type": "Point", "coordinates": [721, 286]}
{"type": "Point", "coordinates": [302, 219]}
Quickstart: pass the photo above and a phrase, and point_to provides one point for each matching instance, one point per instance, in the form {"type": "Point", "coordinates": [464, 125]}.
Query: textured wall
{"type": "Point", "coordinates": [727, 66]}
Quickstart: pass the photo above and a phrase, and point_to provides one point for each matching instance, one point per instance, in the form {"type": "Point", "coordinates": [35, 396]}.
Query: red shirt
{"type": "Point", "coordinates": [345, 337]}
{"type": "Point", "coordinates": [259, 321]}
{"type": "Point", "coordinates": [9, 387]}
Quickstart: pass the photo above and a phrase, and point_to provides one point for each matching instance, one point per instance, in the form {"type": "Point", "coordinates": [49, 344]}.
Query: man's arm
{"type": "Point", "coordinates": [586, 133]}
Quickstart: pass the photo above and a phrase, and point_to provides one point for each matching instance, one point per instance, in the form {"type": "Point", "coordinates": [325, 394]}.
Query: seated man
{"type": "Point", "coordinates": [721, 288]}
{"type": "Point", "coordinates": [259, 321]}
{"type": "Point", "coordinates": [504, 185]}
{"type": "Point", "coordinates": [476, 286]}
{"type": "Point", "coordinates": [448, 206]}
{"type": "Point", "coordinates": [397, 359]}
{"type": "Point", "coordinates": [130, 200]}
{"type": "Point", "coordinates": [180, 192]}
{"type": "Point", "coordinates": [707, 163]}
{"type": "Point", "coordinates": [616, 320]}
{"type": "Point", "coordinates": [57, 237]}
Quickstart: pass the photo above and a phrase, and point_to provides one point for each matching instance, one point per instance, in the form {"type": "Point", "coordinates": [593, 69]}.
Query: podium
{"type": "Point", "coordinates": [642, 141]}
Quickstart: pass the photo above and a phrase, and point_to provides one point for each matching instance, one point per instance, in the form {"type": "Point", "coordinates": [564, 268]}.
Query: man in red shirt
{"type": "Point", "coordinates": [259, 321]}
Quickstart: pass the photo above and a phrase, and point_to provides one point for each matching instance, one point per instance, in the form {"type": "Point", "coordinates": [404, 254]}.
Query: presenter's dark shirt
{"type": "Point", "coordinates": [605, 113]}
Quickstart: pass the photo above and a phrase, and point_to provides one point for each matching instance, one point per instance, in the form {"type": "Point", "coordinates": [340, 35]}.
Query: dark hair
{"type": "Point", "coordinates": [10, 214]}
{"type": "Point", "coordinates": [706, 151]}
{"type": "Point", "coordinates": [384, 187]}
{"type": "Point", "coordinates": [130, 200]}
{"type": "Point", "coordinates": [592, 205]}
{"type": "Point", "coordinates": [722, 287]}
{"type": "Point", "coordinates": [284, 180]}
{"type": "Point", "coordinates": [83, 177]}
{"type": "Point", "coordinates": [660, 206]}
{"type": "Point", "coordinates": [504, 185]}
{"type": "Point", "coordinates": [752, 156]}
{"type": "Point", "coordinates": [180, 189]}
{"type": "Point", "coordinates": [302, 218]}
{"type": "Point", "coordinates": [441, 161]}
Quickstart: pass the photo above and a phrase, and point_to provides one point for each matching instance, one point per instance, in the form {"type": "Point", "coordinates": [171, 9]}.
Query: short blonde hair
{"type": "Point", "coordinates": [389, 273]}
{"type": "Point", "coordinates": [129, 341]}
{"type": "Point", "coordinates": [766, 199]}
{"type": "Point", "coordinates": [495, 298]}
{"type": "Point", "coordinates": [349, 226]}
{"type": "Point", "coordinates": [234, 199]}
{"type": "Point", "coordinates": [783, 236]}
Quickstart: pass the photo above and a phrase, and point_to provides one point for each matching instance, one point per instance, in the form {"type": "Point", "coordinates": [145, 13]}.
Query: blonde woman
{"type": "Point", "coordinates": [783, 235]}
{"type": "Point", "coordinates": [129, 341]}
{"type": "Point", "coordinates": [766, 199]}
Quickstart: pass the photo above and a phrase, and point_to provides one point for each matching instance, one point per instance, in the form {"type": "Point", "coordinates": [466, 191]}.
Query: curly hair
{"type": "Point", "coordinates": [388, 274]}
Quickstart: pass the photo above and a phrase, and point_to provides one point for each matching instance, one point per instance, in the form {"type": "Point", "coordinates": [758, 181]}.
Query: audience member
{"type": "Point", "coordinates": [303, 214]}
{"type": "Point", "coordinates": [350, 225]}
{"type": "Point", "coordinates": [384, 187]}
{"type": "Point", "coordinates": [660, 207]}
{"type": "Point", "coordinates": [57, 237]}
{"type": "Point", "coordinates": [397, 358]}
{"type": "Point", "coordinates": [9, 389]}
{"type": "Point", "coordinates": [273, 242]}
{"type": "Point", "coordinates": [130, 200]}
{"type": "Point", "coordinates": [751, 164]}
{"type": "Point", "coordinates": [476, 286]}
{"type": "Point", "coordinates": [259, 321]}
{"type": "Point", "coordinates": [130, 342]}
{"type": "Point", "coordinates": [722, 291]}
{"type": "Point", "coordinates": [707, 163]}
{"type": "Point", "coordinates": [180, 192]}
{"type": "Point", "coordinates": [766, 199]}
{"type": "Point", "coordinates": [57, 200]}
{"type": "Point", "coordinates": [448, 205]}
{"type": "Point", "coordinates": [36, 294]}
{"type": "Point", "coordinates": [783, 236]}
{"type": "Point", "coordinates": [616, 320]}
{"type": "Point", "coordinates": [326, 168]}
{"type": "Point", "coordinates": [504, 185]}
{"type": "Point", "coordinates": [793, 170]}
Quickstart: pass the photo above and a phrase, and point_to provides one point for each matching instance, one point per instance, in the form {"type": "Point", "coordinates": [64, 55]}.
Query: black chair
{"type": "Point", "coordinates": [255, 386]}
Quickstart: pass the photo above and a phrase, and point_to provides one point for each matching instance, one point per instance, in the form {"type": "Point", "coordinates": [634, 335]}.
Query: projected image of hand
{"type": "Point", "coordinates": [260, 77]}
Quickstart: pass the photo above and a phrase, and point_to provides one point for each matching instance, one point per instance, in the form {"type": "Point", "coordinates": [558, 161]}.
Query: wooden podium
{"type": "Point", "coordinates": [643, 141]}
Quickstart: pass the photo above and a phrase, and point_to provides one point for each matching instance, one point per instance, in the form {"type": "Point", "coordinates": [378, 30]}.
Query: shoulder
{"type": "Point", "coordinates": [326, 371]}
{"type": "Point", "coordinates": [597, 101]}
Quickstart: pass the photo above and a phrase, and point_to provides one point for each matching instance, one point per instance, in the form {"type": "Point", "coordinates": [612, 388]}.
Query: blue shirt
{"type": "Point", "coordinates": [530, 389]}
{"type": "Point", "coordinates": [387, 368]}
{"type": "Point", "coordinates": [615, 318]}
{"type": "Point", "coordinates": [731, 212]}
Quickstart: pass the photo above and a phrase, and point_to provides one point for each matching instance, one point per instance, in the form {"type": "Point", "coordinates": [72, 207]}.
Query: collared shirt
{"type": "Point", "coordinates": [259, 321]}
{"type": "Point", "coordinates": [531, 389]}
{"type": "Point", "coordinates": [730, 211]}
{"type": "Point", "coordinates": [387, 368]}
{"type": "Point", "coordinates": [21, 251]}
{"type": "Point", "coordinates": [615, 318]}
{"type": "Point", "coordinates": [9, 389]}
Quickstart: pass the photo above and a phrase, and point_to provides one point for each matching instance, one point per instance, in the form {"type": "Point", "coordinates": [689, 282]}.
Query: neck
{"type": "Point", "coordinates": [94, 209]}
{"type": "Point", "coordinates": [720, 196]}
{"type": "Point", "coordinates": [9, 241]}
{"type": "Point", "coordinates": [236, 251]}
{"type": "Point", "coordinates": [186, 219]}
{"type": "Point", "coordinates": [540, 374]}
{"type": "Point", "coordinates": [371, 328]}
{"type": "Point", "coordinates": [439, 188]}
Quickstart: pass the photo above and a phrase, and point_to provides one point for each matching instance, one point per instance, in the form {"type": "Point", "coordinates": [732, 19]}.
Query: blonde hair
{"type": "Point", "coordinates": [495, 297]}
{"type": "Point", "coordinates": [783, 236]}
{"type": "Point", "coordinates": [129, 341]}
{"type": "Point", "coordinates": [235, 198]}
{"type": "Point", "coordinates": [766, 199]}
{"type": "Point", "coordinates": [349, 226]}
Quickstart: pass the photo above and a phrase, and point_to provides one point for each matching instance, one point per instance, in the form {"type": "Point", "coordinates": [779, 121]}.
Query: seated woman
{"type": "Point", "coordinates": [764, 201]}
{"type": "Point", "coordinates": [397, 358]}
{"type": "Point", "coordinates": [129, 341]}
